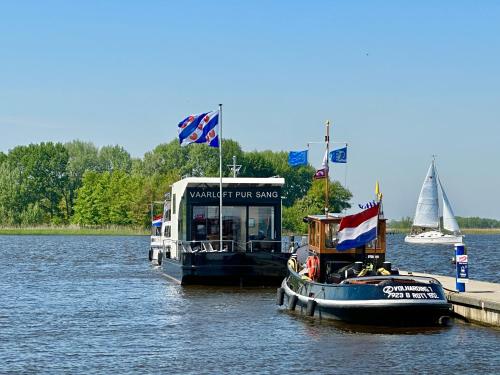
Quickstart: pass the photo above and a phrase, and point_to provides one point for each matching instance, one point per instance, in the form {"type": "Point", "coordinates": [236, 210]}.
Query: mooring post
{"type": "Point", "coordinates": [462, 265]}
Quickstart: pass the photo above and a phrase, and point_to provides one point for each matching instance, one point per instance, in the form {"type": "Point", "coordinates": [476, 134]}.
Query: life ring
{"type": "Point", "coordinates": [313, 266]}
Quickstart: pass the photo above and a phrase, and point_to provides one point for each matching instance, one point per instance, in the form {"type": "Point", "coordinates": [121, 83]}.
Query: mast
{"type": "Point", "coordinates": [327, 141]}
{"type": "Point", "coordinates": [220, 177]}
{"type": "Point", "coordinates": [436, 177]}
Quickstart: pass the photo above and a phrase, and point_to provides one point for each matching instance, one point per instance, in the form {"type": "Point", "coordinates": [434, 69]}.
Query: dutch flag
{"type": "Point", "coordinates": [157, 221]}
{"type": "Point", "coordinates": [359, 229]}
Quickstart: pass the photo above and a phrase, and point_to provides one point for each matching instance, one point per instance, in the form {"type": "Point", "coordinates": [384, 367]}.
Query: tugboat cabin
{"type": "Point", "coordinates": [322, 234]}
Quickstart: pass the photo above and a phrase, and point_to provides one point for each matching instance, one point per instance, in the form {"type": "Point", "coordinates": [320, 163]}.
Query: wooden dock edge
{"type": "Point", "coordinates": [480, 303]}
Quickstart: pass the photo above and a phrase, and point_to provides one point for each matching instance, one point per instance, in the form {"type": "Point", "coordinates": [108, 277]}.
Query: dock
{"type": "Point", "coordinates": [480, 303]}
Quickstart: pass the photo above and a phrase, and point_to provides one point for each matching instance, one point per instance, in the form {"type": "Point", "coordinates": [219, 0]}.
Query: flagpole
{"type": "Point", "coordinates": [327, 140]}
{"type": "Point", "coordinates": [220, 177]}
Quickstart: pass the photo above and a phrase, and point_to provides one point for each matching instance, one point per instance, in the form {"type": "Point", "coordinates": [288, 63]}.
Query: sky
{"type": "Point", "coordinates": [399, 81]}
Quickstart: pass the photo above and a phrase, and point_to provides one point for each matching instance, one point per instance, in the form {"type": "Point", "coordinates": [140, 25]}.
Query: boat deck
{"type": "Point", "coordinates": [480, 303]}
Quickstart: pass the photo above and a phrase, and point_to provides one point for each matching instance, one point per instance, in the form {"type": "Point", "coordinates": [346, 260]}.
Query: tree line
{"type": "Point", "coordinates": [79, 183]}
{"type": "Point", "coordinates": [463, 222]}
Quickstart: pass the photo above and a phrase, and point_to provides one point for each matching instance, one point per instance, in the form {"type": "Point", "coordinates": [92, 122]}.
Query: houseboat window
{"type": "Point", "coordinates": [167, 231]}
{"type": "Point", "coordinates": [205, 225]}
{"type": "Point", "coordinates": [331, 230]}
{"type": "Point", "coordinates": [182, 218]}
{"type": "Point", "coordinates": [166, 212]}
{"type": "Point", "coordinates": [173, 204]}
{"type": "Point", "coordinates": [261, 226]}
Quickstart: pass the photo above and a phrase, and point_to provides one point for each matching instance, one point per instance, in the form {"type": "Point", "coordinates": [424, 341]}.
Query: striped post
{"type": "Point", "coordinates": [462, 264]}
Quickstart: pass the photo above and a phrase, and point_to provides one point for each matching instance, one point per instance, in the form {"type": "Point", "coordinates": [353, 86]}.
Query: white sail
{"type": "Point", "coordinates": [427, 212]}
{"type": "Point", "coordinates": [449, 221]}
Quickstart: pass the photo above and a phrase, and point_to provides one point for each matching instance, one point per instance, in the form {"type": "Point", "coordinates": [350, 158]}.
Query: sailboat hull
{"type": "Point", "coordinates": [434, 237]}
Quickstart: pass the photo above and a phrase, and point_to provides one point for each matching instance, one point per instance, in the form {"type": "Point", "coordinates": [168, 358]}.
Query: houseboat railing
{"type": "Point", "coordinates": [209, 246]}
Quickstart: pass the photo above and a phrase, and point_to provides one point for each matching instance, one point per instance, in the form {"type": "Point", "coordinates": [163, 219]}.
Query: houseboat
{"type": "Point", "coordinates": [190, 247]}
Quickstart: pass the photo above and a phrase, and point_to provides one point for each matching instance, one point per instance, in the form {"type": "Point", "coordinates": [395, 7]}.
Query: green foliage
{"type": "Point", "coordinates": [114, 158]}
{"type": "Point", "coordinates": [32, 215]}
{"type": "Point", "coordinates": [109, 198]}
{"type": "Point", "coordinates": [463, 223]}
{"type": "Point", "coordinates": [82, 157]}
{"type": "Point", "coordinates": [313, 203]}
{"type": "Point", "coordinates": [80, 183]}
{"type": "Point", "coordinates": [404, 223]}
{"type": "Point", "coordinates": [11, 197]}
{"type": "Point", "coordinates": [477, 222]}
{"type": "Point", "coordinates": [298, 180]}
{"type": "Point", "coordinates": [43, 178]}
{"type": "Point", "coordinates": [165, 158]}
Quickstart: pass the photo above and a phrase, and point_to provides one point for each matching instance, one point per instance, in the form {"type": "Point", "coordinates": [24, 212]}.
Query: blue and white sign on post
{"type": "Point", "coordinates": [462, 263]}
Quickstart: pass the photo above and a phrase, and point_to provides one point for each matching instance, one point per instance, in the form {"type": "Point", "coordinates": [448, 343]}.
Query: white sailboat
{"type": "Point", "coordinates": [426, 227]}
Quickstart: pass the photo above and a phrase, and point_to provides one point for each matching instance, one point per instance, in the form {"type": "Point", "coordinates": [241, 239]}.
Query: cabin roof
{"type": "Point", "coordinates": [180, 186]}
{"type": "Point", "coordinates": [226, 181]}
{"type": "Point", "coordinates": [332, 216]}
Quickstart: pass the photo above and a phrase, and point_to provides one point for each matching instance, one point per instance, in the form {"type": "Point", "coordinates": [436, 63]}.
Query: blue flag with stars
{"type": "Point", "coordinates": [297, 158]}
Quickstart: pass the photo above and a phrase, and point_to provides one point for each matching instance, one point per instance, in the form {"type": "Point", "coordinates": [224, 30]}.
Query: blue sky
{"type": "Point", "coordinates": [399, 80]}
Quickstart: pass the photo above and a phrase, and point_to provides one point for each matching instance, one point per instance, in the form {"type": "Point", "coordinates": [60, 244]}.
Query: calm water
{"type": "Point", "coordinates": [94, 305]}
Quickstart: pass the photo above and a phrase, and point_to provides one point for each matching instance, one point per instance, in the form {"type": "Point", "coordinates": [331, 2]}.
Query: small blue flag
{"type": "Point", "coordinates": [339, 156]}
{"type": "Point", "coordinates": [296, 158]}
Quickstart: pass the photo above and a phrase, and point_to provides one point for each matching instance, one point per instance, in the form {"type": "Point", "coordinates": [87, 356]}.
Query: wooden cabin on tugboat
{"type": "Point", "coordinates": [322, 234]}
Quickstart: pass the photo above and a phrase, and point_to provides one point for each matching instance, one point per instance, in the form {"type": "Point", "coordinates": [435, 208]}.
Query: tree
{"type": "Point", "coordinates": [11, 198]}
{"type": "Point", "coordinates": [114, 158]}
{"type": "Point", "coordinates": [314, 203]}
{"type": "Point", "coordinates": [165, 158]}
{"type": "Point", "coordinates": [298, 180]}
{"type": "Point", "coordinates": [43, 175]}
{"type": "Point", "coordinates": [82, 157]}
{"type": "Point", "coordinates": [110, 198]}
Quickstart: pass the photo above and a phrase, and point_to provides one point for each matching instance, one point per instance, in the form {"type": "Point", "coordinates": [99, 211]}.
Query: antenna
{"type": "Point", "coordinates": [235, 168]}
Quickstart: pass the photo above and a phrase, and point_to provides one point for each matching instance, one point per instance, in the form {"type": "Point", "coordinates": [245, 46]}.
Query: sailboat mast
{"type": "Point", "coordinates": [437, 179]}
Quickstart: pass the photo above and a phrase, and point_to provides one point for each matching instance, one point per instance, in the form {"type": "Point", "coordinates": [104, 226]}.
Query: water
{"type": "Point", "coordinates": [483, 252]}
{"type": "Point", "coordinates": [94, 305]}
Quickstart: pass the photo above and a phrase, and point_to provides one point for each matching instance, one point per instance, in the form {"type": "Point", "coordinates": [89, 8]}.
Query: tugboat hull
{"type": "Point", "coordinates": [393, 301]}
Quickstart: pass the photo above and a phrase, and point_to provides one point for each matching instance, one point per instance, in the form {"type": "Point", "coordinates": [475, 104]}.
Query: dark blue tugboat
{"type": "Point", "coordinates": [342, 272]}
{"type": "Point", "coordinates": [357, 285]}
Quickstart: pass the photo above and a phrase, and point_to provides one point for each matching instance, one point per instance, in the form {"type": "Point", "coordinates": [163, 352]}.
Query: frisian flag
{"type": "Point", "coordinates": [156, 222]}
{"type": "Point", "coordinates": [200, 128]}
{"type": "Point", "coordinates": [359, 229]}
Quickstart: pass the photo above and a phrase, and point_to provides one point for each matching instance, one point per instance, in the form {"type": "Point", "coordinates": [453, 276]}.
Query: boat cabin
{"type": "Point", "coordinates": [322, 234]}
{"type": "Point", "coordinates": [251, 215]}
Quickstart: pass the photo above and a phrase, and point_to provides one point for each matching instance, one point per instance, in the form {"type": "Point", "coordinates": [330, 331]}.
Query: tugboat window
{"type": "Point", "coordinates": [331, 230]}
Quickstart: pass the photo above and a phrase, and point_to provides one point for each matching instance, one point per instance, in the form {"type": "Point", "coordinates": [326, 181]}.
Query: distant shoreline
{"type": "Point", "coordinates": [114, 230]}
{"type": "Point", "coordinates": [75, 230]}
{"type": "Point", "coordinates": [464, 231]}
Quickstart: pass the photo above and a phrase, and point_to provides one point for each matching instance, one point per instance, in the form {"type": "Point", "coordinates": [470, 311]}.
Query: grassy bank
{"type": "Point", "coordinates": [113, 230]}
{"type": "Point", "coordinates": [464, 231]}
